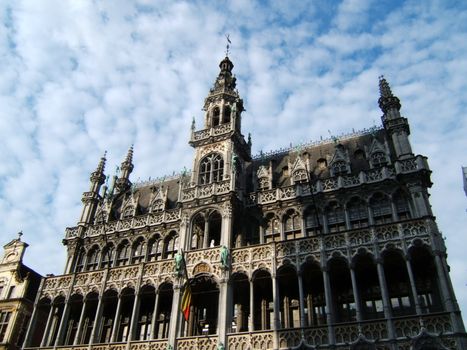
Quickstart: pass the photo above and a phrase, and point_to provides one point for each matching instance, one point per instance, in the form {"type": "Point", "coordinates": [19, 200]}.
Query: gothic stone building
{"type": "Point", "coordinates": [329, 245]}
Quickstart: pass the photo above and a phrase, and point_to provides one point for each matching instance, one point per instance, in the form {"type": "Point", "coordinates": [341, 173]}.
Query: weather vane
{"type": "Point", "coordinates": [227, 50]}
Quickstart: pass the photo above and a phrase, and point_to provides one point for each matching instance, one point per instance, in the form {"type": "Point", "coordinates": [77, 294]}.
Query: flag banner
{"type": "Point", "coordinates": [186, 301]}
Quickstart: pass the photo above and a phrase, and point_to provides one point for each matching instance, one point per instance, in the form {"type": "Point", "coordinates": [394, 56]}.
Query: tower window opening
{"type": "Point", "coordinates": [216, 117]}
{"type": "Point", "coordinates": [211, 169]}
{"type": "Point", "coordinates": [227, 113]}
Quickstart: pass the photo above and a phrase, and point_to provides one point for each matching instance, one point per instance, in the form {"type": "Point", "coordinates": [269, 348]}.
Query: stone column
{"type": "Point", "coordinates": [63, 323]}
{"type": "Point", "coordinates": [154, 315]}
{"type": "Point", "coordinates": [175, 316]}
{"type": "Point", "coordinates": [47, 326]}
{"type": "Point", "coordinates": [206, 234]}
{"type": "Point", "coordinates": [276, 320]}
{"type": "Point", "coordinates": [385, 297]}
{"type": "Point", "coordinates": [80, 323]}
{"type": "Point", "coordinates": [330, 308]}
{"type": "Point", "coordinates": [116, 319]}
{"type": "Point", "coordinates": [302, 301]}
{"type": "Point", "coordinates": [356, 293]}
{"type": "Point", "coordinates": [97, 320]}
{"type": "Point", "coordinates": [412, 285]}
{"type": "Point", "coordinates": [251, 321]}
{"type": "Point", "coordinates": [223, 312]}
{"type": "Point", "coordinates": [134, 317]}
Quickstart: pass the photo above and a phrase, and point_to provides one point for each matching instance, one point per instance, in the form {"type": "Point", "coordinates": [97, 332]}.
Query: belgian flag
{"type": "Point", "coordinates": [186, 301]}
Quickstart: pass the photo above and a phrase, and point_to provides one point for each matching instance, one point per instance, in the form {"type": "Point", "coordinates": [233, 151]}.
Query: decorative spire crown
{"type": "Point", "coordinates": [387, 100]}
{"type": "Point", "coordinates": [101, 165]}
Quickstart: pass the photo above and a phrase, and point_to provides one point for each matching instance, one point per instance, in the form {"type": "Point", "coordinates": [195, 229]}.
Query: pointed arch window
{"type": "Point", "coordinates": [93, 259]}
{"type": "Point", "coordinates": [227, 113]}
{"type": "Point", "coordinates": [123, 254]}
{"type": "Point", "coordinates": [300, 176]}
{"type": "Point", "coordinates": [292, 225]}
{"type": "Point", "coordinates": [107, 256]}
{"type": "Point", "coordinates": [272, 232]}
{"type": "Point", "coordinates": [312, 221]}
{"type": "Point", "coordinates": [335, 217]}
{"type": "Point", "coordinates": [80, 261]}
{"type": "Point", "coordinates": [128, 212]}
{"type": "Point", "coordinates": [171, 245]}
{"type": "Point", "coordinates": [139, 251]}
{"type": "Point", "coordinates": [216, 116]}
{"type": "Point", "coordinates": [381, 209]}
{"type": "Point", "coordinates": [358, 213]}
{"type": "Point", "coordinates": [155, 249]}
{"type": "Point", "coordinates": [211, 169]}
{"type": "Point", "coordinates": [402, 206]}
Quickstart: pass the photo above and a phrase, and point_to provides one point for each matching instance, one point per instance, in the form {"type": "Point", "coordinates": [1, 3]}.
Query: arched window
{"type": "Point", "coordinates": [381, 209]}
{"type": "Point", "coordinates": [93, 259]}
{"type": "Point", "coordinates": [312, 221]}
{"type": "Point", "coordinates": [107, 256]}
{"type": "Point", "coordinates": [211, 169]}
{"type": "Point", "coordinates": [272, 232]}
{"type": "Point", "coordinates": [139, 251]}
{"type": "Point", "coordinates": [263, 183]}
{"type": "Point", "coordinates": [292, 225]}
{"type": "Point", "coordinates": [402, 206]}
{"type": "Point", "coordinates": [335, 217]}
{"type": "Point", "coordinates": [358, 213]}
{"type": "Point", "coordinates": [80, 260]}
{"type": "Point", "coordinates": [123, 254]}
{"type": "Point", "coordinates": [226, 115]}
{"type": "Point", "coordinates": [322, 164]}
{"type": "Point", "coordinates": [378, 159]}
{"type": "Point", "coordinates": [155, 248]}
{"type": "Point", "coordinates": [171, 245]}
{"type": "Point", "coordinates": [216, 116]}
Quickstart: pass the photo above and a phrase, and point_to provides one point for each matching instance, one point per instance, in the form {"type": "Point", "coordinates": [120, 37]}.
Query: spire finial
{"type": "Point", "coordinates": [101, 165]}
{"type": "Point", "coordinates": [129, 155]}
{"type": "Point", "coordinates": [387, 100]}
{"type": "Point", "coordinates": [227, 47]}
{"type": "Point", "coordinates": [193, 124]}
{"type": "Point", "coordinates": [20, 233]}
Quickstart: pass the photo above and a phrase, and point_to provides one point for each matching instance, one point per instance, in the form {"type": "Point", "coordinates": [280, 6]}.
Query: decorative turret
{"type": "Point", "coordinates": [123, 182]}
{"type": "Point", "coordinates": [396, 125]}
{"type": "Point", "coordinates": [91, 198]}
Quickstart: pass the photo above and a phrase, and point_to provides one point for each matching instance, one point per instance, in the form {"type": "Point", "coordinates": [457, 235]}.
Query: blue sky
{"type": "Point", "coordinates": [81, 77]}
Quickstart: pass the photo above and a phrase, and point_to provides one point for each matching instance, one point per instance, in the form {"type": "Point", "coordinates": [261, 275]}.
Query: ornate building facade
{"type": "Point", "coordinates": [328, 245]}
{"type": "Point", "coordinates": [18, 289]}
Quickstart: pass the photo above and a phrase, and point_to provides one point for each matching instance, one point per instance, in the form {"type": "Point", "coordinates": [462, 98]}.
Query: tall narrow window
{"type": "Point", "coordinates": [123, 254]}
{"type": "Point", "coordinates": [292, 225]}
{"type": "Point", "coordinates": [216, 116]}
{"type": "Point", "coordinates": [378, 159]}
{"type": "Point", "coordinates": [107, 256]}
{"type": "Point", "coordinates": [93, 259]}
{"type": "Point", "coordinates": [336, 218]}
{"type": "Point", "coordinates": [171, 245]}
{"type": "Point", "coordinates": [273, 232]}
{"type": "Point", "coordinates": [381, 209]}
{"type": "Point", "coordinates": [4, 319]}
{"type": "Point", "coordinates": [155, 248]}
{"type": "Point", "coordinates": [211, 169]}
{"type": "Point", "coordinates": [402, 206]}
{"type": "Point", "coordinates": [358, 213]}
{"type": "Point", "coordinates": [139, 251]}
{"type": "Point", "coordinates": [80, 261]}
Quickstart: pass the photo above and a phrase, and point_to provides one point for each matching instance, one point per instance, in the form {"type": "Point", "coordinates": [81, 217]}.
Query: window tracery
{"type": "Point", "coordinates": [358, 213]}
{"type": "Point", "coordinates": [211, 169]}
{"type": "Point", "coordinates": [123, 254]}
{"type": "Point", "coordinates": [378, 159]}
{"type": "Point", "coordinates": [272, 232]}
{"type": "Point", "coordinates": [335, 217]}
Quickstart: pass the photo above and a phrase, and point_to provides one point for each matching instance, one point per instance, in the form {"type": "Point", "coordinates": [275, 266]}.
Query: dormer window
{"type": "Point", "coordinates": [263, 183]}
{"type": "Point", "coordinates": [339, 168]}
{"type": "Point", "coordinates": [378, 159]}
{"type": "Point", "coordinates": [128, 212]}
{"type": "Point", "coordinates": [300, 176]}
{"type": "Point", "coordinates": [211, 169]}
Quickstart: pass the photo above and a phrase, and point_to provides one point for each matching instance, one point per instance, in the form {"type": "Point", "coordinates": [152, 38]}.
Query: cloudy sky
{"type": "Point", "coordinates": [81, 77]}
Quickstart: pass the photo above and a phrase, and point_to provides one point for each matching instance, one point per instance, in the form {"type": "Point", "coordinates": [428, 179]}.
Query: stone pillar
{"type": "Point", "coordinates": [251, 321]}
{"type": "Point", "coordinates": [134, 317]}
{"type": "Point", "coordinates": [45, 336]}
{"type": "Point", "coordinates": [302, 300]}
{"type": "Point", "coordinates": [206, 234]}
{"type": "Point", "coordinates": [116, 321]}
{"type": "Point", "coordinates": [154, 315]}
{"type": "Point", "coordinates": [97, 320]}
{"type": "Point", "coordinates": [63, 324]}
{"type": "Point", "coordinates": [261, 234]}
{"type": "Point", "coordinates": [80, 323]}
{"type": "Point", "coordinates": [276, 320]}
{"type": "Point", "coordinates": [175, 316]}
{"type": "Point", "coordinates": [413, 287]}
{"type": "Point", "coordinates": [356, 293]}
{"type": "Point", "coordinates": [223, 312]}
{"type": "Point", "coordinates": [385, 297]}
{"type": "Point", "coordinates": [330, 308]}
